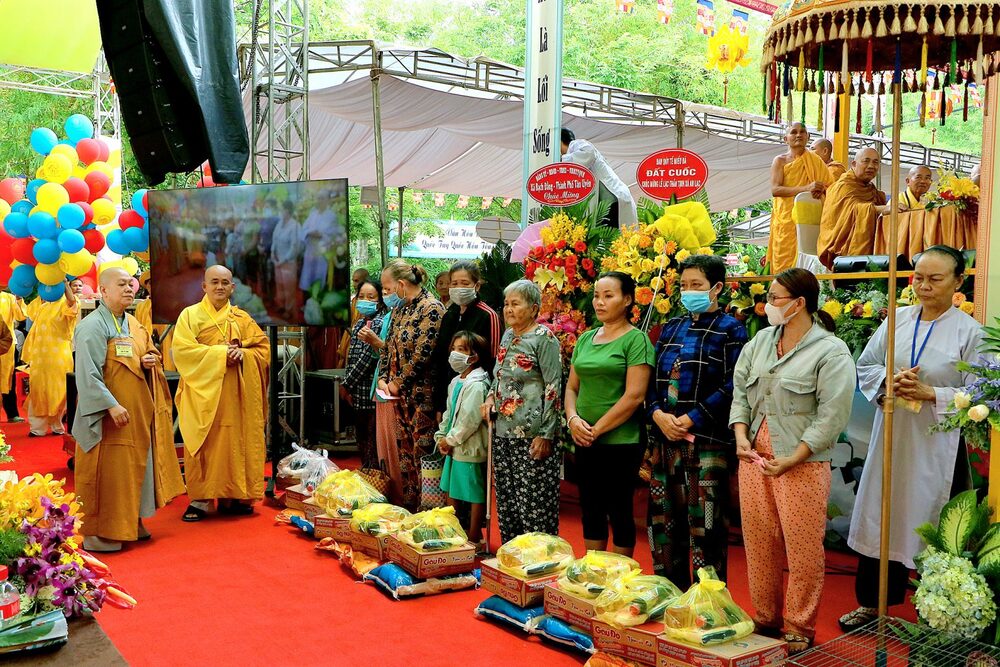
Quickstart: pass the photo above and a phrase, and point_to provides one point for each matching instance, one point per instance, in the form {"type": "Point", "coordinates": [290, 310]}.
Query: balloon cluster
{"type": "Point", "coordinates": [133, 235]}
{"type": "Point", "coordinates": [53, 223]}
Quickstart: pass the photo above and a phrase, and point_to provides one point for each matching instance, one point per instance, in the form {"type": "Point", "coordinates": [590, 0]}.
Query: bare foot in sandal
{"type": "Point", "coordinates": [797, 643]}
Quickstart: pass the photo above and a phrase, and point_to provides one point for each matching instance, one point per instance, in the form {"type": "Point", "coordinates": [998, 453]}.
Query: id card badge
{"type": "Point", "coordinates": [910, 406]}
{"type": "Point", "coordinates": [123, 350]}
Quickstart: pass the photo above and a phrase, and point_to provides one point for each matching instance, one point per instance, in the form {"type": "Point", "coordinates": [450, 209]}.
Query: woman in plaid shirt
{"type": "Point", "coordinates": [362, 362]}
{"type": "Point", "coordinates": [691, 448]}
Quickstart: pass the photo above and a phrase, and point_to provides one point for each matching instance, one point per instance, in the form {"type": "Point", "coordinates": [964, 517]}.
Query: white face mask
{"type": "Point", "coordinates": [776, 316]}
{"type": "Point", "coordinates": [459, 362]}
{"type": "Point", "coordinates": [463, 296]}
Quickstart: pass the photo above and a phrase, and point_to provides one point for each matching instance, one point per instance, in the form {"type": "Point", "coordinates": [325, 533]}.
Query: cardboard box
{"type": "Point", "coordinates": [752, 651]}
{"type": "Point", "coordinates": [339, 528]}
{"type": "Point", "coordinates": [295, 498]}
{"type": "Point", "coordinates": [311, 509]}
{"type": "Point", "coordinates": [576, 611]}
{"type": "Point", "coordinates": [434, 563]}
{"type": "Point", "coordinates": [636, 643]}
{"type": "Point", "coordinates": [522, 592]}
{"type": "Point", "coordinates": [376, 547]}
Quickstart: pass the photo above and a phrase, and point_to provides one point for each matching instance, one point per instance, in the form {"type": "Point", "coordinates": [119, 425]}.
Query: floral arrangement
{"type": "Point", "coordinates": [955, 191]}
{"type": "Point", "coordinates": [5, 456]}
{"type": "Point", "coordinates": [857, 312]}
{"type": "Point", "coordinates": [22, 501]}
{"type": "Point", "coordinates": [976, 410]}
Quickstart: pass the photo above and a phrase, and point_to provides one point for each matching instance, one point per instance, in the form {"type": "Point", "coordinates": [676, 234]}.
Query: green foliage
{"type": "Point", "coordinates": [959, 519]}
{"type": "Point", "coordinates": [497, 272]}
{"type": "Point", "coordinates": [989, 552]}
{"type": "Point", "coordinates": [12, 544]}
{"type": "Point", "coordinates": [991, 339]}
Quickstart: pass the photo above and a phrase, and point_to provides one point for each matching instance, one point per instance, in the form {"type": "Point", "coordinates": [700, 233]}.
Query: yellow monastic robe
{"type": "Point", "coordinates": [222, 408]}
{"type": "Point", "coordinates": [111, 461]}
{"type": "Point", "coordinates": [836, 169]}
{"type": "Point", "coordinates": [849, 216]}
{"type": "Point", "coordinates": [48, 350]}
{"type": "Point", "coordinates": [910, 201]}
{"type": "Point", "coordinates": [782, 248]}
{"type": "Point", "coordinates": [11, 313]}
{"type": "Point", "coordinates": [164, 332]}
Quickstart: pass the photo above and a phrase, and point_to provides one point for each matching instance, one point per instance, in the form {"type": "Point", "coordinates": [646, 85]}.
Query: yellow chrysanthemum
{"type": "Point", "coordinates": [833, 307]}
{"type": "Point", "coordinates": [849, 306]}
{"type": "Point", "coordinates": [967, 307]}
{"type": "Point", "coordinates": [682, 255]}
{"type": "Point", "coordinates": [868, 310]}
{"type": "Point", "coordinates": [757, 289]}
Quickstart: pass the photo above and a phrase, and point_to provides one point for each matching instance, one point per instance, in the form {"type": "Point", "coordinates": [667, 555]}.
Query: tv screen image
{"type": "Point", "coordinates": [286, 243]}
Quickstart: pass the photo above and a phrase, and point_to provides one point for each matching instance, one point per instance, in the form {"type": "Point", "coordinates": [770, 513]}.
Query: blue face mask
{"type": "Point", "coordinates": [696, 301]}
{"type": "Point", "coordinates": [366, 308]}
{"type": "Point", "coordinates": [393, 301]}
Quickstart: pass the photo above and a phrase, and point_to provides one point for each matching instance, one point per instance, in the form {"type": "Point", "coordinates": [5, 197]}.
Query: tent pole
{"type": "Point", "coordinates": [401, 222]}
{"type": "Point", "coordinates": [383, 225]}
{"type": "Point", "coordinates": [679, 122]}
{"type": "Point", "coordinates": [890, 361]}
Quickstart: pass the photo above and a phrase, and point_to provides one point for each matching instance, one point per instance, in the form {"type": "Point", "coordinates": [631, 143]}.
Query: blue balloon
{"type": "Point", "coordinates": [20, 290]}
{"type": "Point", "coordinates": [31, 192]}
{"type": "Point", "coordinates": [71, 216]}
{"type": "Point", "coordinates": [16, 224]}
{"type": "Point", "coordinates": [51, 293]}
{"type": "Point", "coordinates": [42, 225]}
{"type": "Point", "coordinates": [134, 238]}
{"type": "Point", "coordinates": [43, 140]}
{"type": "Point", "coordinates": [117, 242]}
{"type": "Point", "coordinates": [78, 127]}
{"type": "Point", "coordinates": [23, 276]}
{"type": "Point", "coordinates": [70, 241]}
{"type": "Point", "coordinates": [137, 203]}
{"type": "Point", "coordinates": [23, 206]}
{"type": "Point", "coordinates": [46, 251]}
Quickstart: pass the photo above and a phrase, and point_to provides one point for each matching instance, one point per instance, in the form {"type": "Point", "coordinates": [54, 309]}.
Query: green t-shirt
{"type": "Point", "coordinates": [602, 369]}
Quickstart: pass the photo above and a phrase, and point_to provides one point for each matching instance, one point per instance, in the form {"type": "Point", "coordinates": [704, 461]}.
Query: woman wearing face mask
{"type": "Point", "coordinates": [407, 373]}
{"type": "Point", "coordinates": [465, 313]}
{"type": "Point", "coordinates": [607, 382]}
{"type": "Point", "coordinates": [690, 450]}
{"type": "Point", "coordinates": [362, 360]}
{"type": "Point", "coordinates": [792, 394]}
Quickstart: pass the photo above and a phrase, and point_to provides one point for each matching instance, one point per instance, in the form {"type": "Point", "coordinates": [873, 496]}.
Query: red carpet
{"type": "Point", "coordinates": [242, 591]}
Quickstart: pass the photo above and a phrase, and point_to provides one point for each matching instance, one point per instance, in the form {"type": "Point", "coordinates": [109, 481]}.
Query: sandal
{"type": "Point", "coordinates": [192, 514]}
{"type": "Point", "coordinates": [797, 643]}
{"type": "Point", "coordinates": [855, 619]}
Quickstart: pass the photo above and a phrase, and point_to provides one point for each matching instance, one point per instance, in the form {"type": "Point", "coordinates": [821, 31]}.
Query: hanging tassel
{"type": "Point", "coordinates": [878, 114]}
{"type": "Point", "coordinates": [800, 83]}
{"type": "Point", "coordinates": [836, 114]}
{"type": "Point", "coordinates": [963, 25]}
{"type": "Point", "coordinates": [989, 27]}
{"type": "Point", "coordinates": [808, 39]}
{"type": "Point", "coordinates": [820, 111]}
{"type": "Point", "coordinates": [791, 105]}
{"type": "Point", "coordinates": [949, 26]}
{"type": "Point", "coordinates": [944, 103]}
{"type": "Point", "coordinates": [868, 64]}
{"type": "Point", "coordinates": [896, 28]}
{"type": "Point", "coordinates": [786, 80]}
{"type": "Point", "coordinates": [881, 85]}
{"type": "Point", "coordinates": [844, 69]}
{"type": "Point", "coordinates": [803, 104]}
{"type": "Point", "coordinates": [965, 106]}
{"type": "Point", "coordinates": [922, 26]}
{"type": "Point", "coordinates": [857, 122]}
{"type": "Point", "coordinates": [834, 33]}
{"type": "Point", "coordinates": [977, 25]}
{"type": "Point", "coordinates": [937, 81]}
{"type": "Point", "coordinates": [855, 32]}
{"type": "Point", "coordinates": [811, 87]}
{"type": "Point", "coordinates": [763, 96]}
{"type": "Point", "coordinates": [923, 108]}
{"type": "Point", "coordinates": [821, 64]}
{"type": "Point", "coordinates": [909, 25]}
{"type": "Point", "coordinates": [914, 83]}
{"type": "Point", "coordinates": [882, 30]}
{"type": "Point", "coordinates": [923, 65]}
{"type": "Point", "coordinates": [820, 33]}
{"type": "Point", "coordinates": [953, 66]}
{"type": "Point", "coordinates": [991, 70]}
{"type": "Point", "coordinates": [897, 70]}
{"type": "Point", "coordinates": [978, 71]}
{"type": "Point", "coordinates": [938, 24]}
{"type": "Point", "coordinates": [867, 31]}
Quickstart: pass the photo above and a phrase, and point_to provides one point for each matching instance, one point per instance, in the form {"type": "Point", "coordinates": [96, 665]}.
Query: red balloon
{"type": "Point", "coordinates": [105, 150]}
{"type": "Point", "coordinates": [206, 181]}
{"type": "Point", "coordinates": [88, 150]}
{"type": "Point", "coordinates": [99, 184]}
{"type": "Point", "coordinates": [145, 201]}
{"type": "Point", "coordinates": [21, 250]}
{"type": "Point", "coordinates": [206, 168]}
{"type": "Point", "coordinates": [93, 240]}
{"type": "Point", "coordinates": [88, 212]}
{"type": "Point", "coordinates": [78, 190]}
{"type": "Point", "coordinates": [130, 218]}
{"type": "Point", "coordinates": [89, 282]}
{"type": "Point", "coordinates": [12, 190]}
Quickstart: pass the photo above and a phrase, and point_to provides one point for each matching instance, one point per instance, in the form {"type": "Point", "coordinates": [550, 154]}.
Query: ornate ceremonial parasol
{"type": "Point", "coordinates": [847, 45]}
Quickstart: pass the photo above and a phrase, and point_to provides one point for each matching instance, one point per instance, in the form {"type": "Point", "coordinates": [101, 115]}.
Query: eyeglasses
{"type": "Point", "coordinates": [771, 298]}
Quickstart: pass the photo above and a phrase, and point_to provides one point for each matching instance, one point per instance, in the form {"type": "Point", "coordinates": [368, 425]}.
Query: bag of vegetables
{"type": "Point", "coordinates": [706, 613]}
{"type": "Point", "coordinates": [316, 470]}
{"type": "Point", "coordinates": [587, 577]}
{"type": "Point", "coordinates": [378, 519]}
{"type": "Point", "coordinates": [345, 491]}
{"type": "Point", "coordinates": [534, 554]}
{"type": "Point", "coordinates": [432, 530]}
{"type": "Point", "coordinates": [635, 599]}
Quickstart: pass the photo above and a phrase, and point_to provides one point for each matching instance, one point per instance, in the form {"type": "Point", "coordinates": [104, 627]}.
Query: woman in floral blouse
{"type": "Point", "coordinates": [526, 389]}
{"type": "Point", "coordinates": [406, 371]}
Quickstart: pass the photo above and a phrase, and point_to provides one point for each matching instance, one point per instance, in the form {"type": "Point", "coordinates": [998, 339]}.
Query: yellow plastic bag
{"type": "Point", "coordinates": [706, 613]}
{"type": "Point", "coordinates": [432, 530]}
{"type": "Point", "coordinates": [532, 554]}
{"type": "Point", "coordinates": [635, 599]}
{"type": "Point", "coordinates": [345, 491]}
{"type": "Point", "coordinates": [587, 577]}
{"type": "Point", "coordinates": [378, 519]}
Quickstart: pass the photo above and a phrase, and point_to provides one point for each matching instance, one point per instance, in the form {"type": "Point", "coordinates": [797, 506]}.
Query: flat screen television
{"type": "Point", "coordinates": [286, 243]}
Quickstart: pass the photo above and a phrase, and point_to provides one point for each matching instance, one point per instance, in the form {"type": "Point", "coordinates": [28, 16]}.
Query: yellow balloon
{"type": "Point", "coordinates": [40, 173]}
{"type": "Point", "coordinates": [79, 171]}
{"type": "Point", "coordinates": [130, 265]}
{"type": "Point", "coordinates": [76, 264]}
{"type": "Point", "coordinates": [49, 274]}
{"type": "Point", "coordinates": [4, 208]}
{"type": "Point", "coordinates": [102, 166]}
{"type": "Point", "coordinates": [108, 228]}
{"type": "Point", "coordinates": [115, 159]}
{"type": "Point", "coordinates": [115, 193]}
{"type": "Point", "coordinates": [57, 168]}
{"type": "Point", "coordinates": [52, 195]}
{"type": "Point", "coordinates": [104, 211]}
{"type": "Point", "coordinates": [34, 209]}
{"type": "Point", "coordinates": [68, 151]}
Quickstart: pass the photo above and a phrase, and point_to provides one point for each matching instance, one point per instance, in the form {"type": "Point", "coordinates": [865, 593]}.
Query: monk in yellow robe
{"type": "Point", "coordinates": [824, 148]}
{"type": "Point", "coordinates": [11, 312]}
{"type": "Point", "coordinates": [852, 207]}
{"type": "Point", "coordinates": [795, 171]}
{"type": "Point", "coordinates": [223, 358]}
{"type": "Point", "coordinates": [48, 351]}
{"type": "Point", "coordinates": [162, 333]}
{"type": "Point", "coordinates": [125, 468]}
{"type": "Point", "coordinates": [918, 184]}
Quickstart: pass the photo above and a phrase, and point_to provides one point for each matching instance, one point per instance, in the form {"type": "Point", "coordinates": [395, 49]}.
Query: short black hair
{"type": "Point", "coordinates": [946, 250]}
{"type": "Point", "coordinates": [476, 343]}
{"type": "Point", "coordinates": [567, 135]}
{"type": "Point", "coordinates": [382, 308]}
{"type": "Point", "coordinates": [712, 266]}
{"type": "Point", "coordinates": [625, 281]}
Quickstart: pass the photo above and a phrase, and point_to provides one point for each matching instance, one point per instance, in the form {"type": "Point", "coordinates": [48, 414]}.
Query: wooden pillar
{"type": "Point", "coordinates": [842, 140]}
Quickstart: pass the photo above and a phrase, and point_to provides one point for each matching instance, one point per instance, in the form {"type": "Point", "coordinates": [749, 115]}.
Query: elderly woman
{"type": "Point", "coordinates": [525, 391]}
{"type": "Point", "coordinates": [927, 468]}
{"type": "Point", "coordinates": [792, 392]}
{"type": "Point", "coordinates": [406, 371]}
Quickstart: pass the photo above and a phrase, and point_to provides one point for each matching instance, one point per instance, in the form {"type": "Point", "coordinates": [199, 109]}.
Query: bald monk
{"type": "Point", "coordinates": [162, 333]}
{"type": "Point", "coordinates": [795, 171]}
{"type": "Point", "coordinates": [11, 312]}
{"type": "Point", "coordinates": [974, 176]}
{"type": "Point", "coordinates": [852, 207]}
{"type": "Point", "coordinates": [126, 465]}
{"type": "Point", "coordinates": [48, 350]}
{"type": "Point", "coordinates": [222, 357]}
{"type": "Point", "coordinates": [824, 149]}
{"type": "Point", "coordinates": [918, 184]}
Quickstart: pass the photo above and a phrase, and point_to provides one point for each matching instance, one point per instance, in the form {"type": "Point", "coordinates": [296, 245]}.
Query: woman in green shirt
{"type": "Point", "coordinates": [607, 383]}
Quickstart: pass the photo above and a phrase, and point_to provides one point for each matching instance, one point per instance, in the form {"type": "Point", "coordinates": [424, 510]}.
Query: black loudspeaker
{"type": "Point", "coordinates": [864, 263]}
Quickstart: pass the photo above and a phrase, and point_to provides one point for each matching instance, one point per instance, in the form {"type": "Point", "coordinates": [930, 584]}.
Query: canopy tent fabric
{"type": "Point", "coordinates": [53, 34]}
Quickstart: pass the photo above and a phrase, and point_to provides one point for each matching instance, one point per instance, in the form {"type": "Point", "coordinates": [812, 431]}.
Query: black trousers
{"type": "Point", "coordinates": [607, 479]}
{"type": "Point", "coordinates": [10, 404]}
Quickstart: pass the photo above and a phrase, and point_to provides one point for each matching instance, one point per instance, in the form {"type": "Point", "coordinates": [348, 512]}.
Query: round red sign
{"type": "Point", "coordinates": [561, 184]}
{"type": "Point", "coordinates": [673, 172]}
